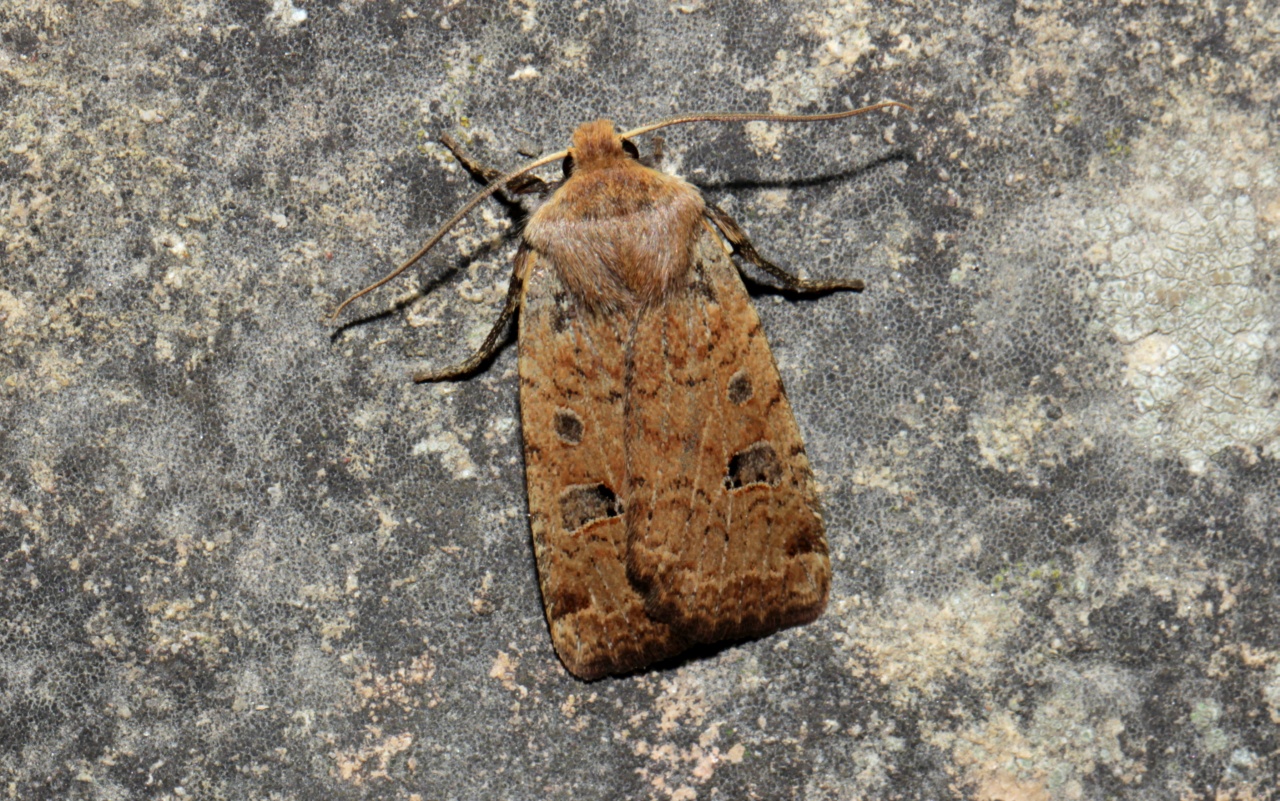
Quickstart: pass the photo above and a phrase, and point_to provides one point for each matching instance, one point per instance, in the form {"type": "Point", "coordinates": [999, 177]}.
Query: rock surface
{"type": "Point", "coordinates": [242, 556]}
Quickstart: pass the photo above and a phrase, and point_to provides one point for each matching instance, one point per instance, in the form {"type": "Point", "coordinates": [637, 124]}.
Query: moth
{"type": "Point", "coordinates": [670, 498]}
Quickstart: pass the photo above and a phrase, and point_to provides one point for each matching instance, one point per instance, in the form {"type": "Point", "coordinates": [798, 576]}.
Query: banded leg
{"type": "Point", "coordinates": [524, 185]}
{"type": "Point", "coordinates": [515, 292]}
{"type": "Point", "coordinates": [742, 246]}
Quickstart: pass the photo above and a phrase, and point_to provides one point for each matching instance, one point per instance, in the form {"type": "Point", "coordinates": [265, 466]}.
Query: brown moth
{"type": "Point", "coordinates": [670, 498]}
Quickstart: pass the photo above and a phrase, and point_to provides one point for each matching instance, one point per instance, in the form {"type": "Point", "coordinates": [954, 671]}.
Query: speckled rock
{"type": "Point", "coordinates": [242, 556]}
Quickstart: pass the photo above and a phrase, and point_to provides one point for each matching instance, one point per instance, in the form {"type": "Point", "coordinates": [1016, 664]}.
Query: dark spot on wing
{"type": "Point", "coordinates": [740, 390]}
{"type": "Point", "coordinates": [581, 504]}
{"type": "Point", "coordinates": [755, 464]}
{"type": "Point", "coordinates": [568, 426]}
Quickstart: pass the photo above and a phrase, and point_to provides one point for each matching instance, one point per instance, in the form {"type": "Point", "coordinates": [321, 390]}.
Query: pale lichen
{"type": "Point", "coordinates": [1178, 255]}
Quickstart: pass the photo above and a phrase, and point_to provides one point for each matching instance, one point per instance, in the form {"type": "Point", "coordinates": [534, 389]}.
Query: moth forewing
{"type": "Point", "coordinates": [725, 536]}
{"type": "Point", "coordinates": [669, 494]}
{"type": "Point", "coordinates": [670, 499]}
{"type": "Point", "coordinates": [573, 412]}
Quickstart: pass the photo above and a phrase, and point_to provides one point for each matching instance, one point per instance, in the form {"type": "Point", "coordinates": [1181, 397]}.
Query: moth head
{"type": "Point", "coordinates": [597, 145]}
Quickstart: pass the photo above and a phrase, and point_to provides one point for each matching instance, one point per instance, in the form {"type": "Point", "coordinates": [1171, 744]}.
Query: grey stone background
{"type": "Point", "coordinates": [243, 557]}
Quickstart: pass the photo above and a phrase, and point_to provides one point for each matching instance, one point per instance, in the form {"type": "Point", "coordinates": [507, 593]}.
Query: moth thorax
{"type": "Point", "coordinates": [618, 236]}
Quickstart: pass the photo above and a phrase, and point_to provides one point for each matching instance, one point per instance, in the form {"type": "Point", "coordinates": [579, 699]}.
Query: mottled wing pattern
{"type": "Point", "coordinates": [670, 498]}
{"type": "Point", "coordinates": [724, 539]}
{"type": "Point", "coordinates": [572, 400]}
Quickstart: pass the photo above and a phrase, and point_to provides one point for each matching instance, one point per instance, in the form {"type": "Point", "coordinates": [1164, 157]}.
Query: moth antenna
{"type": "Point", "coordinates": [444, 229]}
{"type": "Point", "coordinates": [749, 117]}
{"type": "Point", "coordinates": [533, 165]}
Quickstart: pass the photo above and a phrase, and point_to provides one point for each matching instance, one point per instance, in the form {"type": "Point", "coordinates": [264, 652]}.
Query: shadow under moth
{"type": "Point", "coordinates": [670, 498]}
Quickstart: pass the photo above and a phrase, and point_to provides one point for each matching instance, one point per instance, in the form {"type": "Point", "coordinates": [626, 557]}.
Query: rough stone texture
{"type": "Point", "coordinates": [241, 556]}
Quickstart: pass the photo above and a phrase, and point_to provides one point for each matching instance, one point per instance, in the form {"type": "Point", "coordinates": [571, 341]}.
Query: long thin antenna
{"type": "Point", "coordinates": [444, 229]}
{"type": "Point", "coordinates": [533, 165]}
{"type": "Point", "coordinates": [839, 115]}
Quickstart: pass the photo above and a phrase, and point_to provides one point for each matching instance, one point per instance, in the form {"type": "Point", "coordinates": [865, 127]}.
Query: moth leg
{"type": "Point", "coordinates": [741, 245]}
{"type": "Point", "coordinates": [523, 185]}
{"type": "Point", "coordinates": [515, 292]}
